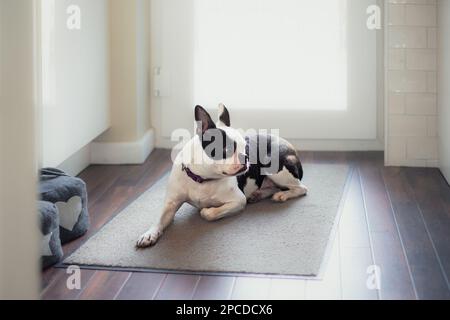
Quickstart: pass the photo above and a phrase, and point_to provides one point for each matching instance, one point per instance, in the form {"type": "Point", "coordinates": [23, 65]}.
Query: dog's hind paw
{"type": "Point", "coordinates": [280, 197]}
{"type": "Point", "coordinates": [209, 214]}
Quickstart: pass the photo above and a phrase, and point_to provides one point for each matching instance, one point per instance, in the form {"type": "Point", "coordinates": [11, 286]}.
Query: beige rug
{"type": "Point", "coordinates": [267, 238]}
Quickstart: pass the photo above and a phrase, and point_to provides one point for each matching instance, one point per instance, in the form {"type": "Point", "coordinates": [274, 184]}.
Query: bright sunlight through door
{"type": "Point", "coordinates": [285, 54]}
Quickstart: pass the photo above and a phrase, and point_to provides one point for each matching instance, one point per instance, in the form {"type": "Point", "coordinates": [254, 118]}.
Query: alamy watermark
{"type": "Point", "coordinates": [264, 150]}
{"type": "Point", "coordinates": [73, 281]}
{"type": "Point", "coordinates": [374, 13]}
{"type": "Point", "coordinates": [374, 19]}
{"type": "Point", "coordinates": [74, 17]}
{"type": "Point", "coordinates": [373, 281]}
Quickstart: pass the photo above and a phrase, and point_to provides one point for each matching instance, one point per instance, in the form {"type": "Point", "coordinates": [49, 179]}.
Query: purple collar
{"type": "Point", "coordinates": [192, 175]}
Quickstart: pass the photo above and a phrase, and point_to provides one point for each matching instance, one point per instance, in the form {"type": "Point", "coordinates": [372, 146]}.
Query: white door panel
{"type": "Point", "coordinates": [188, 73]}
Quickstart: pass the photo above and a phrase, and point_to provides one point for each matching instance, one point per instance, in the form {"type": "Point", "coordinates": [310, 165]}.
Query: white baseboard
{"type": "Point", "coordinates": [413, 163]}
{"type": "Point", "coordinates": [337, 145]}
{"type": "Point", "coordinates": [77, 162]}
{"type": "Point", "coordinates": [135, 152]}
{"type": "Point", "coordinates": [110, 153]}
{"type": "Point", "coordinates": [445, 174]}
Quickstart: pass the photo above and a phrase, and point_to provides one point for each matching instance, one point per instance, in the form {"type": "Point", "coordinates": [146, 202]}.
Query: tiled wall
{"type": "Point", "coordinates": [411, 133]}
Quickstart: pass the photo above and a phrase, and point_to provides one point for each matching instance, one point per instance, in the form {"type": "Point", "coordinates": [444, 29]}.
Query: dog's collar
{"type": "Point", "coordinates": [192, 175]}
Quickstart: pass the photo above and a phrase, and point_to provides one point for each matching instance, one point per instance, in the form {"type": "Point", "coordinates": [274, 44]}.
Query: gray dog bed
{"type": "Point", "coordinates": [51, 250]}
{"type": "Point", "coordinates": [69, 195]}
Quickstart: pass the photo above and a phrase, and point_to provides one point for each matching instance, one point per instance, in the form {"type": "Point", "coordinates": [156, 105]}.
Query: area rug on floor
{"type": "Point", "coordinates": [267, 238]}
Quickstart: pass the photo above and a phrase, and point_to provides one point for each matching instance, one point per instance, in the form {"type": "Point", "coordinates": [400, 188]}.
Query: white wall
{"type": "Point", "coordinates": [129, 140]}
{"type": "Point", "coordinates": [444, 85]}
{"type": "Point", "coordinates": [76, 107]}
{"type": "Point", "coordinates": [411, 102]}
{"type": "Point", "coordinates": [128, 26]}
{"type": "Point", "coordinates": [19, 240]}
{"type": "Point", "coordinates": [98, 79]}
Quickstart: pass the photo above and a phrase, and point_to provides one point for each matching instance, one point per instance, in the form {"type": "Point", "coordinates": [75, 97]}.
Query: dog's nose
{"type": "Point", "coordinates": [243, 158]}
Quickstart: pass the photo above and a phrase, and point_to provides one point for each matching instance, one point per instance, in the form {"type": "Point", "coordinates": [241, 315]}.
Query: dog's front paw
{"type": "Point", "coordinates": [149, 238]}
{"type": "Point", "coordinates": [304, 189]}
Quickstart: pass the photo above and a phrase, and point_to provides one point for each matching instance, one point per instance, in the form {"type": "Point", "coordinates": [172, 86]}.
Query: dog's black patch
{"type": "Point", "coordinates": [218, 145]}
{"type": "Point", "coordinates": [215, 142]}
{"type": "Point", "coordinates": [261, 162]}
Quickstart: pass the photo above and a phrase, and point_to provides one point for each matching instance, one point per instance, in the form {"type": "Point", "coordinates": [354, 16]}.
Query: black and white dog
{"type": "Point", "coordinates": [219, 171]}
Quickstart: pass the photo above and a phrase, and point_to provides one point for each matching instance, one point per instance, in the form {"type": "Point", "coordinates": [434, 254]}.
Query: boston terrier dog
{"type": "Point", "coordinates": [219, 172]}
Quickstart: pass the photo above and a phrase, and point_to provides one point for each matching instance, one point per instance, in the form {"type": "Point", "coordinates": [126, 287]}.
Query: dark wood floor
{"type": "Point", "coordinates": [395, 218]}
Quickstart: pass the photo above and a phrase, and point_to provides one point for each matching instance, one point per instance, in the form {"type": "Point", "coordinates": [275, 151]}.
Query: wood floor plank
{"type": "Point", "coordinates": [373, 159]}
{"type": "Point", "coordinates": [104, 285]}
{"type": "Point", "coordinates": [103, 181]}
{"type": "Point", "coordinates": [353, 224]}
{"type": "Point", "coordinates": [94, 175]}
{"type": "Point", "coordinates": [287, 289]}
{"type": "Point", "coordinates": [424, 265]}
{"type": "Point", "coordinates": [355, 246]}
{"type": "Point", "coordinates": [352, 158]}
{"type": "Point", "coordinates": [110, 205]}
{"type": "Point", "coordinates": [329, 157]}
{"type": "Point", "coordinates": [141, 286]}
{"type": "Point", "coordinates": [329, 287]}
{"type": "Point", "coordinates": [157, 163]}
{"type": "Point", "coordinates": [59, 289]}
{"type": "Point", "coordinates": [355, 264]}
{"type": "Point", "coordinates": [48, 276]}
{"type": "Point", "coordinates": [178, 287]}
{"type": "Point", "coordinates": [432, 200]}
{"type": "Point", "coordinates": [214, 288]}
{"type": "Point", "coordinates": [396, 282]}
{"type": "Point", "coordinates": [246, 288]}
{"type": "Point", "coordinates": [378, 205]}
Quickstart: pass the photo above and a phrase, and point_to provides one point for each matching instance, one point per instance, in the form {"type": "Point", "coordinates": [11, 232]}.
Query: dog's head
{"type": "Point", "coordinates": [221, 144]}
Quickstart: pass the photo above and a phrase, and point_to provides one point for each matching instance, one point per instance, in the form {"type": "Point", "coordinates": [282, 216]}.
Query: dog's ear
{"type": "Point", "coordinates": [224, 116]}
{"type": "Point", "coordinates": [204, 121]}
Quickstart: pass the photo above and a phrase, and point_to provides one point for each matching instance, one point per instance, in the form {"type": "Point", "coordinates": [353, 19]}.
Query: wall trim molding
{"type": "Point", "coordinates": [77, 162]}
{"type": "Point", "coordinates": [109, 153]}
{"type": "Point", "coordinates": [135, 152]}
{"type": "Point", "coordinates": [338, 145]}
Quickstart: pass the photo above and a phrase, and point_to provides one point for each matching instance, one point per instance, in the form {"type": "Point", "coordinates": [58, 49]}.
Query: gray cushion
{"type": "Point", "coordinates": [70, 196]}
{"type": "Point", "coordinates": [51, 250]}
